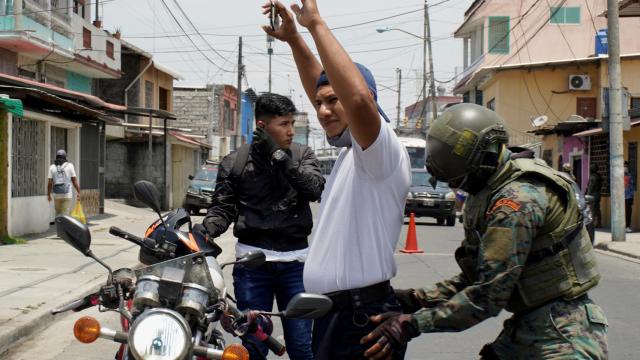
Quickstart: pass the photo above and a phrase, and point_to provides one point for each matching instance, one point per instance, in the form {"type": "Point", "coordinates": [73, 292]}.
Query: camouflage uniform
{"type": "Point", "coordinates": [504, 224]}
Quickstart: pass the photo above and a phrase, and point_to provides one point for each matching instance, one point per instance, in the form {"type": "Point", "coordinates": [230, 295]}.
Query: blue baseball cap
{"type": "Point", "coordinates": [368, 78]}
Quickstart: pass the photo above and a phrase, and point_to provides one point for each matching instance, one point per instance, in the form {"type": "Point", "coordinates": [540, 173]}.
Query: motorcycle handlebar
{"type": "Point", "coordinates": [274, 345]}
{"type": "Point", "coordinates": [146, 242]}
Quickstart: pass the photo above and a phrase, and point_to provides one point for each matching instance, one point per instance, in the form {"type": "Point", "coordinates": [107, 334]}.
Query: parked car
{"type": "Point", "coordinates": [424, 200]}
{"type": "Point", "coordinates": [201, 189]}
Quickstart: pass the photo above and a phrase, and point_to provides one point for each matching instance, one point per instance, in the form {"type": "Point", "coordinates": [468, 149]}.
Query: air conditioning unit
{"type": "Point", "coordinates": [579, 82]}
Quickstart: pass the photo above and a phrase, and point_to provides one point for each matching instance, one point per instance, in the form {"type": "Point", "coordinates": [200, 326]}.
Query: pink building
{"type": "Point", "coordinates": [507, 32]}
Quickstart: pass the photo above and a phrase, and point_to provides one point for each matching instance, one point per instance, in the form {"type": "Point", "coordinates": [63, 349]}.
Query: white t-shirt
{"type": "Point", "coordinates": [70, 172]}
{"type": "Point", "coordinates": [361, 215]}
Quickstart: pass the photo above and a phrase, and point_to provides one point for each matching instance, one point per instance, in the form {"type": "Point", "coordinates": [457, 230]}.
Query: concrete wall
{"type": "Point", "coordinates": [99, 39]}
{"type": "Point", "coordinates": [193, 108]}
{"type": "Point", "coordinates": [8, 62]}
{"type": "Point", "coordinates": [127, 163]}
{"type": "Point", "coordinates": [522, 95]}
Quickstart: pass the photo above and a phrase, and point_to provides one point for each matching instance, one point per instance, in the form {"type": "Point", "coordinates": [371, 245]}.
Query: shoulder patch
{"type": "Point", "coordinates": [505, 202]}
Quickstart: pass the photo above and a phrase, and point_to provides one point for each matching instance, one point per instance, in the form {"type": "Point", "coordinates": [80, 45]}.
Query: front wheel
{"type": "Point", "coordinates": [440, 221]}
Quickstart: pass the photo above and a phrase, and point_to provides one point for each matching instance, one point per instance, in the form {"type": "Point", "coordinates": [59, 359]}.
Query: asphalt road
{"type": "Point", "coordinates": [618, 295]}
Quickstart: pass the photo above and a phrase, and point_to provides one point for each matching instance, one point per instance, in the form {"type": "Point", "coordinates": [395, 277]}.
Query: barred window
{"type": "Point", "coordinates": [28, 166]}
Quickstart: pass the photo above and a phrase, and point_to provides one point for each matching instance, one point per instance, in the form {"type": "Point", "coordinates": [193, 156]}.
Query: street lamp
{"type": "Point", "coordinates": [426, 41]}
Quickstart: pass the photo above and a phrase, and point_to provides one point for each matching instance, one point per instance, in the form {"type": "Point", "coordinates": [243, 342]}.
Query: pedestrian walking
{"type": "Point", "coordinates": [62, 176]}
{"type": "Point", "coordinates": [265, 189]}
{"type": "Point", "coordinates": [361, 214]}
{"type": "Point", "coordinates": [594, 188]}
{"type": "Point", "coordinates": [525, 250]}
{"type": "Point", "coordinates": [629, 190]}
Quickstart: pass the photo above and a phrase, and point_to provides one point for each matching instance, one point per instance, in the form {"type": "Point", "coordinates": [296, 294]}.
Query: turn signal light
{"type": "Point", "coordinates": [235, 352]}
{"type": "Point", "coordinates": [87, 329]}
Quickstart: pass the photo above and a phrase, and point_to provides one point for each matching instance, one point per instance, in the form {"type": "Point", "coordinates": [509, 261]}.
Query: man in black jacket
{"type": "Point", "coordinates": [267, 194]}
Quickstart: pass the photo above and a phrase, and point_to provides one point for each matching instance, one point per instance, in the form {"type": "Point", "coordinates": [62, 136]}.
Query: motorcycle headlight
{"type": "Point", "coordinates": [160, 334]}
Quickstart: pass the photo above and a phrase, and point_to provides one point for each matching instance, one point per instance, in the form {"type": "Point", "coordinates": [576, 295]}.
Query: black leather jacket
{"type": "Point", "coordinates": [269, 202]}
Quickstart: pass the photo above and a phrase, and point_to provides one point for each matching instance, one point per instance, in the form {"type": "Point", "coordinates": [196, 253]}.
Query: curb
{"type": "Point", "coordinates": [605, 247]}
{"type": "Point", "coordinates": [27, 325]}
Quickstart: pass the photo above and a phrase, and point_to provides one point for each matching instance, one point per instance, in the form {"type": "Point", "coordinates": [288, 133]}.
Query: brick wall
{"type": "Point", "coordinates": [193, 110]}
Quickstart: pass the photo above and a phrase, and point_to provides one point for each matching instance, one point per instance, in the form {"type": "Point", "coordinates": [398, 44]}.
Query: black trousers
{"type": "Point", "coordinates": [628, 206]}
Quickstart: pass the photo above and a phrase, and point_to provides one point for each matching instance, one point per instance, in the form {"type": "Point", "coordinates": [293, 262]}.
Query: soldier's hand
{"type": "Point", "coordinates": [394, 332]}
{"type": "Point", "coordinates": [408, 300]}
{"type": "Point", "coordinates": [287, 30]}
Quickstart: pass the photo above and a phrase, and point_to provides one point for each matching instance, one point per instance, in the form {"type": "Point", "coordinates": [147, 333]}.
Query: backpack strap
{"type": "Point", "coordinates": [242, 156]}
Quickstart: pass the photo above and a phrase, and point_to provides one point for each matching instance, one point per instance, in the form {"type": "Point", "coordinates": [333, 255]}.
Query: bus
{"type": "Point", "coordinates": [327, 158]}
{"type": "Point", "coordinates": [417, 149]}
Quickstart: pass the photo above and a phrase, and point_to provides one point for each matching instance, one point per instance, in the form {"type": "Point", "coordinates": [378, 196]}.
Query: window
{"type": "Point", "coordinates": [148, 94]}
{"type": "Point", "coordinates": [547, 156]}
{"type": "Point", "coordinates": [78, 7]}
{"type": "Point", "coordinates": [466, 97]}
{"type": "Point", "coordinates": [86, 38]}
{"type": "Point", "coordinates": [163, 99]}
{"type": "Point", "coordinates": [635, 103]}
{"type": "Point", "coordinates": [228, 116]}
{"type": "Point", "coordinates": [110, 50]}
{"type": "Point", "coordinates": [499, 34]}
{"type": "Point", "coordinates": [586, 107]}
{"type": "Point", "coordinates": [478, 97]}
{"type": "Point", "coordinates": [565, 15]}
{"type": "Point", "coordinates": [28, 173]}
{"type": "Point", "coordinates": [492, 104]}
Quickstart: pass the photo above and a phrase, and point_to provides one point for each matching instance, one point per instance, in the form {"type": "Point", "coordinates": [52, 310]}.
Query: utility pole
{"type": "Point", "coordinates": [615, 125]}
{"type": "Point", "coordinates": [424, 62]}
{"type": "Point", "coordinates": [239, 100]}
{"type": "Point", "coordinates": [399, 72]}
{"type": "Point", "coordinates": [432, 84]}
{"type": "Point", "coordinates": [270, 53]}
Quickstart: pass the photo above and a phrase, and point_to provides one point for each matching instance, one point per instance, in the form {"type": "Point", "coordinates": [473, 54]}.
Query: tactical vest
{"type": "Point", "coordinates": [561, 262]}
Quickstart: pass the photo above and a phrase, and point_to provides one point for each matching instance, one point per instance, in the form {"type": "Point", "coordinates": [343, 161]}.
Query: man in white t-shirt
{"type": "Point", "coordinates": [351, 256]}
{"type": "Point", "coordinates": [61, 176]}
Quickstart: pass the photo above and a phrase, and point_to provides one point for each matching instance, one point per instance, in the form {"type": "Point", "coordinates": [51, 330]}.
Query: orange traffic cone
{"type": "Point", "coordinates": [411, 245]}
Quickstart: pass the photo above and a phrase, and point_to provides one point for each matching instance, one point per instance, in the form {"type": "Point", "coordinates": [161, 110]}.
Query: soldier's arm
{"type": "Point", "coordinates": [442, 291]}
{"type": "Point", "coordinates": [223, 210]}
{"type": "Point", "coordinates": [514, 217]}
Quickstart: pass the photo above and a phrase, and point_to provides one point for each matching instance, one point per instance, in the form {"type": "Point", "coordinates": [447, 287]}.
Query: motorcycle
{"type": "Point", "coordinates": [171, 309]}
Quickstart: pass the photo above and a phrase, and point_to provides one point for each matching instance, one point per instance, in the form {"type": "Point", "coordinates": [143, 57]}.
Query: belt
{"type": "Point", "coordinates": [356, 298]}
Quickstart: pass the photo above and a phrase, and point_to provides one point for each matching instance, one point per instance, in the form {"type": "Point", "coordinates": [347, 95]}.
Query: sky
{"type": "Point", "coordinates": [212, 55]}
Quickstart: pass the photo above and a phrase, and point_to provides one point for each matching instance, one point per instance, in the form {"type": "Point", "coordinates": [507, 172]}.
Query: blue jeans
{"type": "Point", "coordinates": [336, 336]}
{"type": "Point", "coordinates": [255, 289]}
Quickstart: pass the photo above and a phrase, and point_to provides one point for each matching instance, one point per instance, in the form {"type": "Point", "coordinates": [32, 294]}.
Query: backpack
{"type": "Point", "coordinates": [61, 183]}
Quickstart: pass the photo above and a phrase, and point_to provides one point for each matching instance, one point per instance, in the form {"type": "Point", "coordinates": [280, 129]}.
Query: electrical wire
{"type": "Point", "coordinates": [190, 39]}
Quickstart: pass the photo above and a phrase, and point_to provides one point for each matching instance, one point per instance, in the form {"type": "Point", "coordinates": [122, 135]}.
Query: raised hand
{"type": "Point", "coordinates": [287, 30]}
{"type": "Point", "coordinates": [308, 15]}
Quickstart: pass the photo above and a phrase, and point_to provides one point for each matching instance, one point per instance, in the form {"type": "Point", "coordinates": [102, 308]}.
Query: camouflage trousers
{"type": "Point", "coordinates": [573, 330]}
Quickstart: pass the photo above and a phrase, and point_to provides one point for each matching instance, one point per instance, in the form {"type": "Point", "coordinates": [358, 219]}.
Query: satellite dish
{"type": "Point", "coordinates": [539, 121]}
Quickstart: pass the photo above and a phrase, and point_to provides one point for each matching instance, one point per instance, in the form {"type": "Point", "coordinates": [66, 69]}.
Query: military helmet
{"type": "Point", "coordinates": [460, 140]}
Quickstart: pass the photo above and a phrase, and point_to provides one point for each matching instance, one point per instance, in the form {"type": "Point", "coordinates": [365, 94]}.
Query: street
{"type": "Point", "coordinates": [617, 294]}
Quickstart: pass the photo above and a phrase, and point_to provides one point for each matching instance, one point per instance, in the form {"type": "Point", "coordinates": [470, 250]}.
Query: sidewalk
{"type": "Point", "coordinates": [46, 272]}
{"type": "Point", "coordinates": [630, 247]}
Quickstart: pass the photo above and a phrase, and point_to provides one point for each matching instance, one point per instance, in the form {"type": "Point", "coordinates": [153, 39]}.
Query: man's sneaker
{"type": "Point", "coordinates": [628, 230]}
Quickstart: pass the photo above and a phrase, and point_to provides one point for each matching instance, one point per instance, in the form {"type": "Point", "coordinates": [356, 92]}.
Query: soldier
{"type": "Point", "coordinates": [525, 250]}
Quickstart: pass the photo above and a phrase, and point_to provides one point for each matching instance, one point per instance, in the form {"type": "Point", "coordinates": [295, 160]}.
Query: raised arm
{"type": "Point", "coordinates": [309, 67]}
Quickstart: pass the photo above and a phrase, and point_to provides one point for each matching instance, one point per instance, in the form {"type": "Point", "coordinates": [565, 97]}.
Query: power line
{"type": "Point", "coordinates": [190, 39]}
{"type": "Point", "coordinates": [196, 30]}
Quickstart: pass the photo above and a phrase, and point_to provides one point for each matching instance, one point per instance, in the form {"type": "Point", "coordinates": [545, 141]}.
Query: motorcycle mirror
{"type": "Point", "coordinates": [74, 233]}
{"type": "Point", "coordinates": [190, 177]}
{"type": "Point", "coordinates": [146, 192]}
{"type": "Point", "coordinates": [251, 259]}
{"type": "Point", "coordinates": [308, 306]}
{"type": "Point", "coordinates": [77, 234]}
